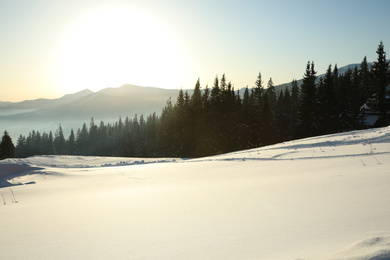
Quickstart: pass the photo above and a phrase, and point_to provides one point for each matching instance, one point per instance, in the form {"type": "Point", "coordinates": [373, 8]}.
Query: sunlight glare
{"type": "Point", "coordinates": [115, 46]}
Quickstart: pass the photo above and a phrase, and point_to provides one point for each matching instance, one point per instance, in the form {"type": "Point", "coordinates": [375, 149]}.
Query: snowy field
{"type": "Point", "coordinates": [326, 197]}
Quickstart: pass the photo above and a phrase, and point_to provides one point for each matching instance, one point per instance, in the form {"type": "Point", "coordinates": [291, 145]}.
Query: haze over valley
{"type": "Point", "coordinates": [72, 110]}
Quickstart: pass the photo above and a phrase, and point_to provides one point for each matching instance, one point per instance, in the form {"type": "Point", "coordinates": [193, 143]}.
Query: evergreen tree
{"type": "Point", "coordinates": [259, 89]}
{"type": "Point", "coordinates": [47, 143]}
{"type": "Point", "coordinates": [327, 104]}
{"type": "Point", "coordinates": [357, 99]}
{"type": "Point", "coordinates": [282, 116]}
{"type": "Point", "coordinates": [364, 78]}
{"type": "Point", "coordinates": [196, 98]}
{"type": "Point", "coordinates": [344, 102]}
{"type": "Point", "coordinates": [286, 112]}
{"type": "Point", "coordinates": [36, 143]}
{"type": "Point", "coordinates": [380, 80]}
{"type": "Point", "coordinates": [198, 119]}
{"type": "Point", "coordinates": [206, 100]}
{"type": "Point", "coordinates": [7, 148]}
{"type": "Point", "coordinates": [71, 144]}
{"type": "Point", "coordinates": [223, 84]}
{"type": "Point", "coordinates": [308, 103]}
{"type": "Point", "coordinates": [179, 126]}
{"type": "Point", "coordinates": [293, 115]}
{"type": "Point", "coordinates": [215, 116]}
{"type": "Point", "coordinates": [59, 141]}
{"type": "Point", "coordinates": [267, 130]}
{"type": "Point", "coordinates": [151, 135]}
{"type": "Point", "coordinates": [82, 140]}
{"type": "Point", "coordinates": [271, 93]}
{"type": "Point", "coordinates": [93, 138]}
{"type": "Point", "coordinates": [21, 147]}
{"type": "Point", "coordinates": [166, 141]}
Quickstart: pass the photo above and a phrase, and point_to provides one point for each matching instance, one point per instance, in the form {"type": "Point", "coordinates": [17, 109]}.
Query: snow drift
{"type": "Point", "coordinates": [324, 197]}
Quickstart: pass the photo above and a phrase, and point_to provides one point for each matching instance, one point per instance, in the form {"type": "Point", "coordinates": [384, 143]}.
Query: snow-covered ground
{"type": "Point", "coordinates": [325, 197]}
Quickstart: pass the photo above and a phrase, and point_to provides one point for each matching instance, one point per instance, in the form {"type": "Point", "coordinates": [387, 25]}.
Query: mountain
{"type": "Point", "coordinates": [72, 110]}
{"type": "Point", "coordinates": [46, 103]}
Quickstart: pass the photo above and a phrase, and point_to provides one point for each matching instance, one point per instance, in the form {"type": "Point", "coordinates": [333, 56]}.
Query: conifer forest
{"type": "Point", "coordinates": [217, 119]}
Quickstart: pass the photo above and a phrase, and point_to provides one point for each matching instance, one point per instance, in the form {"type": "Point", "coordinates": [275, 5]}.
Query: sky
{"type": "Point", "coordinates": [52, 48]}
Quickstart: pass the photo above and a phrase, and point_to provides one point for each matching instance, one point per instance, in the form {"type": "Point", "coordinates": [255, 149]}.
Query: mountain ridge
{"type": "Point", "coordinates": [72, 110]}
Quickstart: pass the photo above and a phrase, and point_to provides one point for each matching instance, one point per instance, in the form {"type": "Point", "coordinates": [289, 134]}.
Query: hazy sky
{"type": "Point", "coordinates": [51, 48]}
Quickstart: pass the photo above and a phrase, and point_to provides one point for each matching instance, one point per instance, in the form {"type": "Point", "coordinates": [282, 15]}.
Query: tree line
{"type": "Point", "coordinates": [219, 119]}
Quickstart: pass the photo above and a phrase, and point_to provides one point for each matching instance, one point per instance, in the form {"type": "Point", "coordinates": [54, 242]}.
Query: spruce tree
{"type": "Point", "coordinates": [343, 112]}
{"type": "Point", "coordinates": [47, 144]}
{"type": "Point", "coordinates": [198, 114]}
{"type": "Point", "coordinates": [82, 140]}
{"type": "Point", "coordinates": [271, 92]}
{"type": "Point", "coordinates": [245, 133]}
{"type": "Point", "coordinates": [259, 89]}
{"type": "Point", "coordinates": [7, 148]}
{"type": "Point", "coordinates": [357, 98]}
{"type": "Point", "coordinates": [364, 78]}
{"type": "Point", "coordinates": [59, 141]}
{"type": "Point", "coordinates": [326, 94]}
{"type": "Point", "coordinates": [308, 103]}
{"type": "Point", "coordinates": [166, 141]}
{"type": "Point", "coordinates": [294, 109]}
{"type": "Point", "coordinates": [21, 147]}
{"type": "Point", "coordinates": [71, 144]}
{"type": "Point", "coordinates": [380, 80]}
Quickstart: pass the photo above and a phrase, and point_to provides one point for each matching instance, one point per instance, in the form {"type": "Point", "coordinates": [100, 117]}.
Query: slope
{"type": "Point", "coordinates": [318, 198]}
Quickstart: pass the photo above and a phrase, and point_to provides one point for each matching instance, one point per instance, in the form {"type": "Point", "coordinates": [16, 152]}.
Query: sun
{"type": "Point", "coordinates": [116, 45]}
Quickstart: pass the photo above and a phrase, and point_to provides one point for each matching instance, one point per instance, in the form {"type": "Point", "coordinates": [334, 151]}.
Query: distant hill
{"type": "Point", "coordinates": [341, 70]}
{"type": "Point", "coordinates": [283, 86]}
{"type": "Point", "coordinates": [72, 110]}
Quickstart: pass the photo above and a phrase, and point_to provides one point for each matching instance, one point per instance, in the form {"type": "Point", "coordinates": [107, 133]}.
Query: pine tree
{"type": "Point", "coordinates": [7, 148]}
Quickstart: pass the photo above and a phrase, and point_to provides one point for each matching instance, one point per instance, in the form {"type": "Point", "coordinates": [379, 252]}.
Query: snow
{"type": "Point", "coordinates": [324, 197]}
